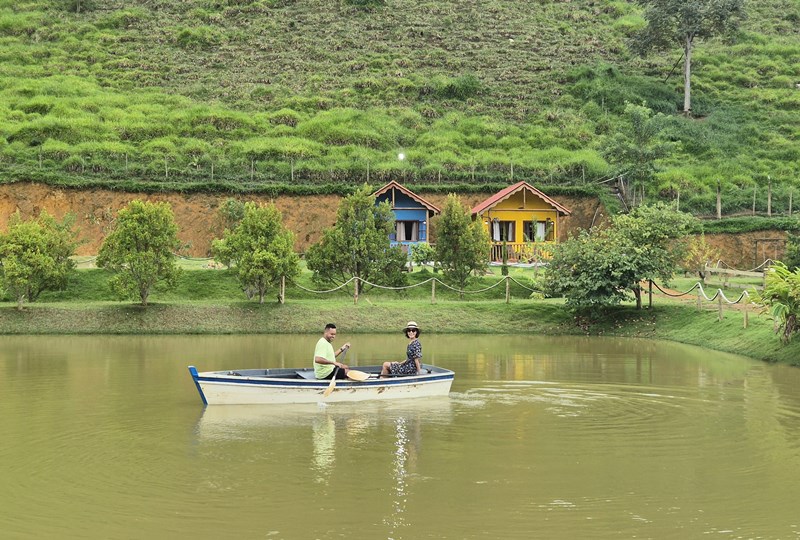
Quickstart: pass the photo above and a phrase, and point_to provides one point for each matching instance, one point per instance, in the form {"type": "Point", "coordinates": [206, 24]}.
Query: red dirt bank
{"type": "Point", "coordinates": [197, 213]}
{"type": "Point", "coordinates": [307, 216]}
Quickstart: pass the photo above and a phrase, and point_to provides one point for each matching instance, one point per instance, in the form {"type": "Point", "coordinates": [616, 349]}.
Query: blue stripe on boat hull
{"type": "Point", "coordinates": [340, 383]}
{"type": "Point", "coordinates": [195, 377]}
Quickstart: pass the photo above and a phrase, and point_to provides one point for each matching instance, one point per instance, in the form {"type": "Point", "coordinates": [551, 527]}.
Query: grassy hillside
{"type": "Point", "coordinates": [261, 94]}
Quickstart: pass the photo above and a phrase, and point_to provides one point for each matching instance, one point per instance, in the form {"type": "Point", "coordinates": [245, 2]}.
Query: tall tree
{"type": "Point", "coordinates": [462, 245]}
{"type": "Point", "coordinates": [35, 256]}
{"type": "Point", "coordinates": [260, 248]}
{"type": "Point", "coordinates": [140, 249]}
{"type": "Point", "coordinates": [671, 22]}
{"type": "Point", "coordinates": [358, 245]}
{"type": "Point", "coordinates": [636, 148]}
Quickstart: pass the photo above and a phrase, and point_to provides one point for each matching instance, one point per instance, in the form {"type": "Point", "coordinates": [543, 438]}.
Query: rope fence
{"type": "Point", "coordinates": [760, 268]}
{"type": "Point", "coordinates": [701, 295]}
{"type": "Point", "coordinates": [359, 283]}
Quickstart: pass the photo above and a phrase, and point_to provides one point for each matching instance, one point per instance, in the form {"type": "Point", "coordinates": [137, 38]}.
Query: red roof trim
{"type": "Point", "coordinates": [505, 193]}
{"type": "Point", "coordinates": [394, 185]}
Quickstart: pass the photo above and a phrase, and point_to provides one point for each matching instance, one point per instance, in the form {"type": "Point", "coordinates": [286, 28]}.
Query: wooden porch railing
{"type": "Point", "coordinates": [525, 252]}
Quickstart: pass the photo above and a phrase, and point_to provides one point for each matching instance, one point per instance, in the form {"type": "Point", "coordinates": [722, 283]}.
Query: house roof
{"type": "Point", "coordinates": [511, 190]}
{"type": "Point", "coordinates": [394, 185]}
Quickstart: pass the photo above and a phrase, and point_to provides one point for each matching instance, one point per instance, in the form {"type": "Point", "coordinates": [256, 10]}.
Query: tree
{"type": "Point", "coordinates": [35, 256]}
{"type": "Point", "coordinates": [648, 238]}
{"type": "Point", "coordinates": [636, 149]}
{"type": "Point", "coordinates": [671, 22]}
{"type": "Point", "coordinates": [601, 267]}
{"type": "Point", "coordinates": [358, 245]}
{"type": "Point", "coordinates": [260, 248]}
{"type": "Point", "coordinates": [781, 298]}
{"type": "Point", "coordinates": [588, 271]}
{"type": "Point", "coordinates": [462, 245]}
{"type": "Point", "coordinates": [140, 249]}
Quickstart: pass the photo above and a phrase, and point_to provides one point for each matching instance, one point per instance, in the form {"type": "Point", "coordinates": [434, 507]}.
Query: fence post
{"type": "Point", "coordinates": [745, 314]}
{"type": "Point", "coordinates": [355, 293]}
{"type": "Point", "coordinates": [719, 303]}
{"type": "Point", "coordinates": [282, 295]}
{"type": "Point", "coordinates": [433, 291]}
{"type": "Point", "coordinates": [508, 290]}
{"type": "Point", "coordinates": [699, 295]}
{"type": "Point", "coordinates": [650, 294]}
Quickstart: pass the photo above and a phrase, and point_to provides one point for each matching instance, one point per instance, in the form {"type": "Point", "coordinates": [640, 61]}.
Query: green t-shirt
{"type": "Point", "coordinates": [325, 350]}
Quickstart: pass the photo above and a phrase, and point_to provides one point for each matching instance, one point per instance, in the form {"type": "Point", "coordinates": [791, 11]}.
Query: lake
{"type": "Point", "coordinates": [567, 437]}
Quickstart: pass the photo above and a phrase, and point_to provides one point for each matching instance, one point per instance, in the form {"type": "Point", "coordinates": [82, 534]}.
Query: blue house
{"type": "Point", "coordinates": [412, 214]}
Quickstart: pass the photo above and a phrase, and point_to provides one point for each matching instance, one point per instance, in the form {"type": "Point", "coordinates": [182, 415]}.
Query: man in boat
{"type": "Point", "coordinates": [325, 364]}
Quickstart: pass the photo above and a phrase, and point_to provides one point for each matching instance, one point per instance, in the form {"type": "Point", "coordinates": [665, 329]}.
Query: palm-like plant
{"type": "Point", "coordinates": [781, 299]}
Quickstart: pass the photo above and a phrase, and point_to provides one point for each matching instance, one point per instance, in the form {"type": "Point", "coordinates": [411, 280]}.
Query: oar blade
{"type": "Point", "coordinates": [357, 375]}
{"type": "Point", "coordinates": [330, 388]}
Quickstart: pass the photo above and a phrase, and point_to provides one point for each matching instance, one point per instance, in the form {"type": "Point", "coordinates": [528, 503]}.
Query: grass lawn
{"type": "Point", "coordinates": [210, 301]}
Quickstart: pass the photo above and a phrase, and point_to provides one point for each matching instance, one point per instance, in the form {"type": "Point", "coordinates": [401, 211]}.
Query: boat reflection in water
{"type": "Point", "coordinates": [381, 440]}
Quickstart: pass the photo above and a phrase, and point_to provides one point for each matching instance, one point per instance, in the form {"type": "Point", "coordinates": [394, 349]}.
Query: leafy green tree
{"type": "Point", "coordinates": [601, 267]}
{"type": "Point", "coordinates": [140, 249]}
{"type": "Point", "coordinates": [589, 271]}
{"type": "Point", "coordinates": [636, 148]}
{"type": "Point", "coordinates": [678, 22]}
{"type": "Point", "coordinates": [358, 245]}
{"type": "Point", "coordinates": [653, 239]}
{"type": "Point", "coordinates": [261, 249]}
{"type": "Point", "coordinates": [462, 245]}
{"type": "Point", "coordinates": [781, 298]}
{"type": "Point", "coordinates": [35, 256]}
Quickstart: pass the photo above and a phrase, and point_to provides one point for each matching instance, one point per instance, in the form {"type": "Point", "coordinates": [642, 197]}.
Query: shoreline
{"type": "Point", "coordinates": [671, 321]}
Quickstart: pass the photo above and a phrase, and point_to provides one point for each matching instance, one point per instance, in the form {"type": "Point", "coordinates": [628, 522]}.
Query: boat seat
{"type": "Point", "coordinates": [307, 374]}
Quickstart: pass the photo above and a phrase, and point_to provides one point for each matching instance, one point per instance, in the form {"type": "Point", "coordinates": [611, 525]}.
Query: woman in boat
{"type": "Point", "coordinates": [413, 354]}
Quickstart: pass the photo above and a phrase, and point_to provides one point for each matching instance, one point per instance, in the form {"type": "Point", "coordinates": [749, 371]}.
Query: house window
{"type": "Point", "coordinates": [503, 230]}
{"type": "Point", "coordinates": [538, 231]}
{"type": "Point", "coordinates": [407, 231]}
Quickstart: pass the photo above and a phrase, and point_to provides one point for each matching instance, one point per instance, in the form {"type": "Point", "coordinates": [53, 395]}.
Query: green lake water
{"type": "Point", "coordinates": [106, 437]}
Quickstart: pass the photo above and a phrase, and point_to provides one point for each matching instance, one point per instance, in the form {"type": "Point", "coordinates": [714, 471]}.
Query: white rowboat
{"type": "Point", "coordinates": [287, 385]}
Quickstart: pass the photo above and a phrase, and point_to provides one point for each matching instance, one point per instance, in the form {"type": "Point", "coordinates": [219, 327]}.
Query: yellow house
{"type": "Point", "coordinates": [522, 220]}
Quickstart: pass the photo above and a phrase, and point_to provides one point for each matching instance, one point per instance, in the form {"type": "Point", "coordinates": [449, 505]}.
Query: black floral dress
{"type": "Point", "coordinates": [409, 367]}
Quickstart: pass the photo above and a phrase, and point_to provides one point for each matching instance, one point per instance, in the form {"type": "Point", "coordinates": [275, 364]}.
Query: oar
{"type": "Point", "coordinates": [331, 386]}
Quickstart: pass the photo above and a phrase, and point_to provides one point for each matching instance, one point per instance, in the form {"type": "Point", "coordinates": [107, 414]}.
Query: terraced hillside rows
{"type": "Point", "coordinates": [312, 96]}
